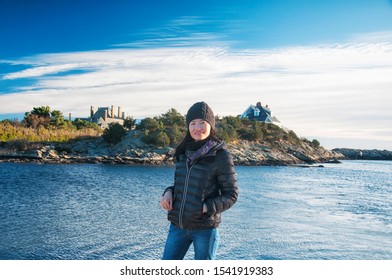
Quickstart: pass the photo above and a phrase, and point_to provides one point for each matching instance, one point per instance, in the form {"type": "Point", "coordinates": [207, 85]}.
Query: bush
{"type": "Point", "coordinates": [315, 143]}
{"type": "Point", "coordinates": [129, 123]}
{"type": "Point", "coordinates": [114, 133]}
{"type": "Point", "coordinates": [157, 138]}
{"type": "Point", "coordinates": [175, 134]}
{"type": "Point", "coordinates": [81, 124]}
{"type": "Point", "coordinates": [246, 134]}
{"type": "Point", "coordinates": [150, 125]}
{"type": "Point", "coordinates": [172, 117]}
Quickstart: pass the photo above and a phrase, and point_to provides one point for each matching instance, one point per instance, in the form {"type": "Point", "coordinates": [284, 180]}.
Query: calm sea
{"type": "Point", "coordinates": [342, 211]}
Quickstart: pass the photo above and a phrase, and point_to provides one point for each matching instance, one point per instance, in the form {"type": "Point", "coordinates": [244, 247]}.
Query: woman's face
{"type": "Point", "coordinates": [199, 129]}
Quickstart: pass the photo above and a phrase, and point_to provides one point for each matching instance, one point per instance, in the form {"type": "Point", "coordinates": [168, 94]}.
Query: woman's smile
{"type": "Point", "coordinates": [199, 129]}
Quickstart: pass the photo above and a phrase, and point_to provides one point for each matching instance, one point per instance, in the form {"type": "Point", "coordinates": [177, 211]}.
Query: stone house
{"type": "Point", "coordinates": [105, 115]}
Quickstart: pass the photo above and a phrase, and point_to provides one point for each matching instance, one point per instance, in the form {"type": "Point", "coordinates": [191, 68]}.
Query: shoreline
{"type": "Point", "coordinates": [133, 151]}
{"type": "Point", "coordinates": [138, 161]}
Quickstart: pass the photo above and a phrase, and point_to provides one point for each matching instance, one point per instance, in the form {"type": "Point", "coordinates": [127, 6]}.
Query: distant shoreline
{"type": "Point", "coordinates": [132, 151]}
{"type": "Point", "coordinates": [349, 154]}
{"type": "Point", "coordinates": [364, 154]}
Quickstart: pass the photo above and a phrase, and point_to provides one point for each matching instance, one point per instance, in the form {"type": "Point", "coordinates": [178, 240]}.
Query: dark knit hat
{"type": "Point", "coordinates": [200, 110]}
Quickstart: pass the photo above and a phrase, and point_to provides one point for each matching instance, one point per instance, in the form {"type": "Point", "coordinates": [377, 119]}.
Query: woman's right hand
{"type": "Point", "coordinates": [167, 201]}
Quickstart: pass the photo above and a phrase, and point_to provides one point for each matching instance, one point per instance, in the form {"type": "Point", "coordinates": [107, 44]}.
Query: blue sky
{"type": "Point", "coordinates": [323, 67]}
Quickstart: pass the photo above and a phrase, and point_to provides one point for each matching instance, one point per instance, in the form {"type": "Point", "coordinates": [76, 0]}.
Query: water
{"type": "Point", "coordinates": [342, 211]}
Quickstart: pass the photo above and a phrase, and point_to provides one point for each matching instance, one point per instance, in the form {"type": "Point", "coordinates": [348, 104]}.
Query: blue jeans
{"type": "Point", "coordinates": [205, 243]}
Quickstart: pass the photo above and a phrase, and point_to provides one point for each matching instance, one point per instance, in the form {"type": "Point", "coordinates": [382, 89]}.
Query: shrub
{"type": "Point", "coordinates": [114, 133]}
{"type": "Point", "coordinates": [150, 125]}
{"type": "Point", "coordinates": [175, 134]}
{"type": "Point", "coordinates": [158, 138]}
{"type": "Point", "coordinates": [81, 124]}
{"type": "Point", "coordinates": [129, 123]}
{"type": "Point", "coordinates": [315, 143]}
{"type": "Point", "coordinates": [172, 117]}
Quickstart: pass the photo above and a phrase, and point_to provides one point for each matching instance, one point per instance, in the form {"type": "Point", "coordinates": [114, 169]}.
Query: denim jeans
{"type": "Point", "coordinates": [205, 243]}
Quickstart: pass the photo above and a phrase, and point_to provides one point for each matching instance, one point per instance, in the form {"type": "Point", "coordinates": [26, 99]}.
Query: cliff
{"type": "Point", "coordinates": [132, 150]}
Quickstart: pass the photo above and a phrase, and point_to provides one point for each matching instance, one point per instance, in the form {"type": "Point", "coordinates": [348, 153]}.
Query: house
{"type": "Point", "coordinates": [105, 115]}
{"type": "Point", "coordinates": [260, 113]}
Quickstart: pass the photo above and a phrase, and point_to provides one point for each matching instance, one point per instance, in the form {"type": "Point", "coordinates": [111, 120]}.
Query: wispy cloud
{"type": "Point", "coordinates": [340, 90]}
{"type": "Point", "coordinates": [186, 31]}
{"type": "Point", "coordinates": [375, 37]}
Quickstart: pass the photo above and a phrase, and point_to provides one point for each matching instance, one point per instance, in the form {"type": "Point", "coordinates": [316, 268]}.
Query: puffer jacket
{"type": "Point", "coordinates": [211, 180]}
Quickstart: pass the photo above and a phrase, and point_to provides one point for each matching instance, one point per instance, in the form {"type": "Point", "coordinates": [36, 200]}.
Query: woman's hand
{"type": "Point", "coordinates": [167, 201]}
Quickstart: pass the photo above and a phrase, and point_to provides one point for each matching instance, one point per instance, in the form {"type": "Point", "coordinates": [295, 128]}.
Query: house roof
{"type": "Point", "coordinates": [260, 113]}
{"type": "Point", "coordinates": [100, 113]}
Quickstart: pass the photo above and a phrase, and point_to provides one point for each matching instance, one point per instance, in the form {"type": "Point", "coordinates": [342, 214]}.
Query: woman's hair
{"type": "Point", "coordinates": [180, 149]}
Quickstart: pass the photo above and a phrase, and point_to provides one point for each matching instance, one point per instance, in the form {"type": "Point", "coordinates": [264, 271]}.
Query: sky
{"type": "Point", "coordinates": [323, 67]}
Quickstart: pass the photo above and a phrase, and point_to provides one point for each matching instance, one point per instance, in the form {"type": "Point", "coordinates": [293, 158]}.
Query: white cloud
{"type": "Point", "coordinates": [338, 91]}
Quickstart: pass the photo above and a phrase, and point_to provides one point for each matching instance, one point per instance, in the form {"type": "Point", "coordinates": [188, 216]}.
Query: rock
{"type": "Point", "coordinates": [354, 154]}
{"type": "Point", "coordinates": [39, 153]}
{"type": "Point", "coordinates": [53, 154]}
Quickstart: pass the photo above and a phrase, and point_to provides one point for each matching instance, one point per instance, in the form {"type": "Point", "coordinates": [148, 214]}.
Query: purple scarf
{"type": "Point", "coordinates": [202, 151]}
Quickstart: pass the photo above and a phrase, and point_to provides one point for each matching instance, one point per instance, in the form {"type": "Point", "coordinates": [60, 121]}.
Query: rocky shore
{"type": "Point", "coordinates": [358, 154]}
{"type": "Point", "coordinates": [133, 151]}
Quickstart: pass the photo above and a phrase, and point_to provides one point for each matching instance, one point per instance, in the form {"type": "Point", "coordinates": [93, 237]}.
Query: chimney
{"type": "Point", "coordinates": [123, 115]}
{"type": "Point", "coordinates": [258, 104]}
{"type": "Point", "coordinates": [91, 111]}
{"type": "Point", "coordinates": [69, 116]}
{"type": "Point", "coordinates": [119, 112]}
{"type": "Point", "coordinates": [112, 112]}
{"type": "Point", "coordinates": [105, 115]}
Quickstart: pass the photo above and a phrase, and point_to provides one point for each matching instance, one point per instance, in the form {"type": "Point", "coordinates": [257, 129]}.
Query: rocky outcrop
{"type": "Point", "coordinates": [355, 154]}
{"type": "Point", "coordinates": [282, 153]}
{"type": "Point", "coordinates": [132, 150]}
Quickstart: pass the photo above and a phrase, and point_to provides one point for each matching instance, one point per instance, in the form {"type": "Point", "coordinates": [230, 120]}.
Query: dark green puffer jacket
{"type": "Point", "coordinates": [210, 180]}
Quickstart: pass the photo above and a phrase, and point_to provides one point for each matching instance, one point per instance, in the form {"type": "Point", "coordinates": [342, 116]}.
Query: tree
{"type": "Point", "coordinates": [175, 134]}
{"type": "Point", "coordinates": [39, 116]}
{"type": "Point", "coordinates": [57, 118]}
{"type": "Point", "coordinates": [114, 133]}
{"type": "Point", "coordinates": [43, 111]}
{"type": "Point", "coordinates": [151, 125]}
{"type": "Point", "coordinates": [173, 117]}
{"type": "Point", "coordinates": [129, 123]}
{"type": "Point", "coordinates": [43, 116]}
{"type": "Point", "coordinates": [34, 121]}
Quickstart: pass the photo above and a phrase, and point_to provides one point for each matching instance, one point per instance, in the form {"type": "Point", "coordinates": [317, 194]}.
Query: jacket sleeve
{"type": "Point", "coordinates": [227, 183]}
{"type": "Point", "coordinates": [171, 188]}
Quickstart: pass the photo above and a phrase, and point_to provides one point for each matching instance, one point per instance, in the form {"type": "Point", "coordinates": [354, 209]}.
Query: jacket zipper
{"type": "Point", "coordinates": [188, 173]}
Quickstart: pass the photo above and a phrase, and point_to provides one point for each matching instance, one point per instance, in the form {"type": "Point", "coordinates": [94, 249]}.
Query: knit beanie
{"type": "Point", "coordinates": [200, 110]}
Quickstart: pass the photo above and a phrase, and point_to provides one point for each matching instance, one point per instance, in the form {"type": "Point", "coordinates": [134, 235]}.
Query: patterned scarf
{"type": "Point", "coordinates": [202, 151]}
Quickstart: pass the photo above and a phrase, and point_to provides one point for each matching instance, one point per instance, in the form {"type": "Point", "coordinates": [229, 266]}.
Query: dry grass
{"type": "Point", "coordinates": [9, 132]}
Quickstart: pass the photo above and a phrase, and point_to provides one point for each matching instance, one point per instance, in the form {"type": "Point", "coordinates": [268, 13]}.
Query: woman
{"type": "Point", "coordinates": [204, 186]}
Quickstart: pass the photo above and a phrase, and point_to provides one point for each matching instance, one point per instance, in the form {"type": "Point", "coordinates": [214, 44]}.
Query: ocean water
{"type": "Point", "coordinates": [82, 211]}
